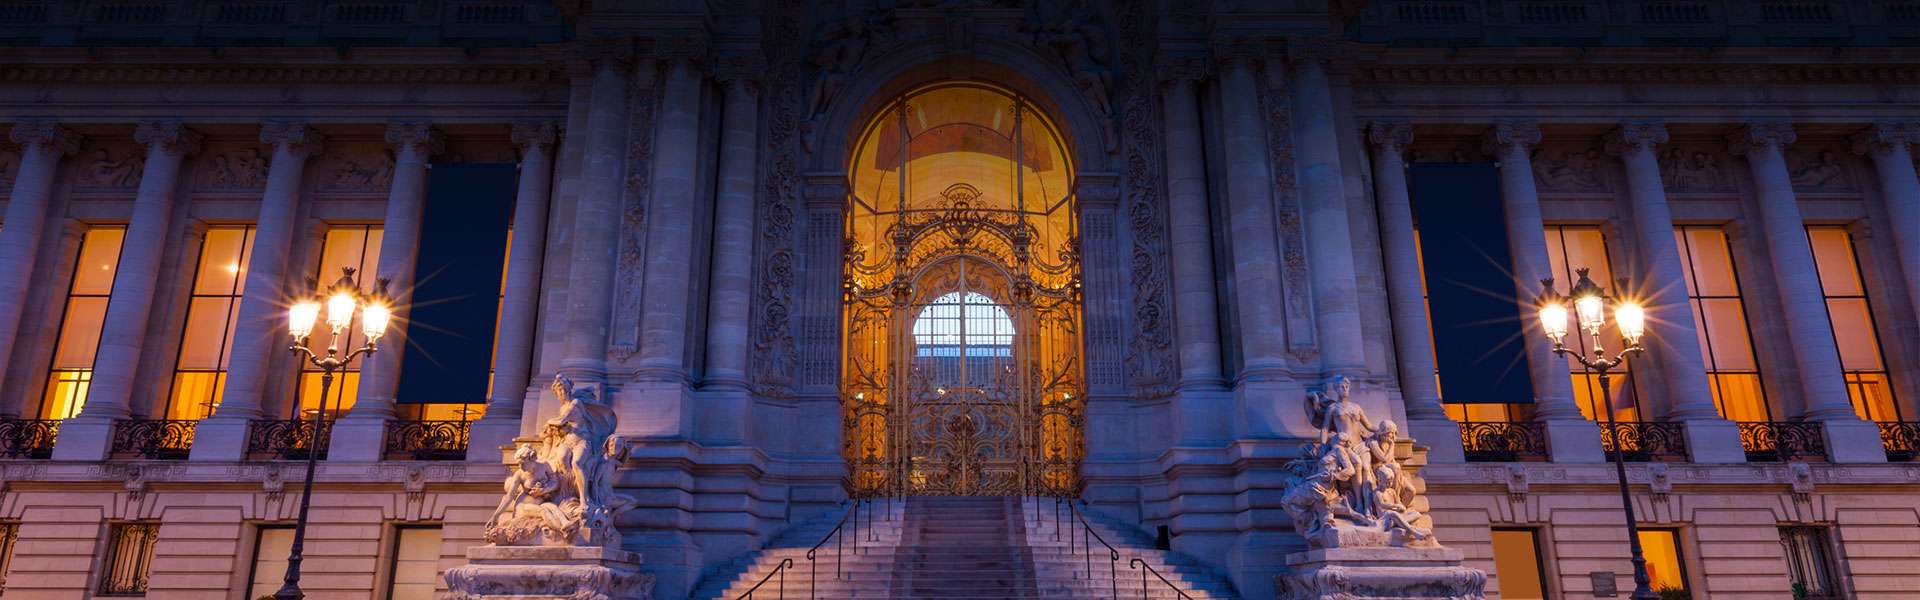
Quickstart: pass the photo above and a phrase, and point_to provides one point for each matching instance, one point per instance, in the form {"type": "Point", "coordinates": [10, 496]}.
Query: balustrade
{"type": "Point", "coordinates": [1901, 439]}
{"type": "Point", "coordinates": [288, 439]}
{"type": "Point", "coordinates": [27, 438]}
{"type": "Point", "coordinates": [1643, 441]}
{"type": "Point", "coordinates": [163, 439]}
{"type": "Point", "coordinates": [428, 440]}
{"type": "Point", "coordinates": [1778, 441]}
{"type": "Point", "coordinates": [1504, 442]}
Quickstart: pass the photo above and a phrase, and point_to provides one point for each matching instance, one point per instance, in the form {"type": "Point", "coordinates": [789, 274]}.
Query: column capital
{"type": "Point", "coordinates": [529, 135]}
{"type": "Point", "coordinates": [1390, 136]}
{"type": "Point", "coordinates": [295, 137]}
{"type": "Point", "coordinates": [1636, 136]}
{"type": "Point", "coordinates": [170, 137]}
{"type": "Point", "coordinates": [1313, 50]}
{"type": "Point", "coordinates": [739, 68]}
{"type": "Point", "coordinates": [417, 138]}
{"type": "Point", "coordinates": [49, 134]}
{"type": "Point", "coordinates": [1180, 69]}
{"type": "Point", "coordinates": [1758, 134]}
{"type": "Point", "coordinates": [1885, 136]}
{"type": "Point", "coordinates": [1511, 136]}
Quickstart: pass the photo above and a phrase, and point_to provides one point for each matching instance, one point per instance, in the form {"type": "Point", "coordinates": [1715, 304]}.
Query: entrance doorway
{"type": "Point", "coordinates": [961, 370]}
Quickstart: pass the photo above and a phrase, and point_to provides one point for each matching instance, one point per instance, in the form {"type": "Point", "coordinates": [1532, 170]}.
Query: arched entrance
{"type": "Point", "coordinates": [961, 370]}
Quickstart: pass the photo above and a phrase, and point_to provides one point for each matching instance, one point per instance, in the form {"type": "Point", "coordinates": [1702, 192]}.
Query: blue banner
{"type": "Point", "coordinates": [456, 294]}
{"type": "Point", "coordinates": [1470, 287]}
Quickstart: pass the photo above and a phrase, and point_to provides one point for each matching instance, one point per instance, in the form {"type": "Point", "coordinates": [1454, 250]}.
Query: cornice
{"type": "Point", "coordinates": [1506, 74]}
{"type": "Point", "coordinates": [256, 74]}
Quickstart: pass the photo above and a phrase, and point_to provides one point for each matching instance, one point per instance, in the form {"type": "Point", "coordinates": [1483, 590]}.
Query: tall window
{"type": "Point", "coordinates": [1810, 565]}
{"type": "Point", "coordinates": [1666, 568]}
{"type": "Point", "coordinates": [80, 321]}
{"type": "Point", "coordinates": [1713, 293]}
{"type": "Point", "coordinates": [1572, 247]}
{"type": "Point", "coordinates": [201, 371]}
{"type": "Point", "coordinates": [416, 563]}
{"type": "Point", "coordinates": [358, 247]}
{"type": "Point", "coordinates": [1517, 562]}
{"type": "Point", "coordinates": [1852, 319]}
{"type": "Point", "coordinates": [270, 547]}
{"type": "Point", "coordinates": [129, 558]}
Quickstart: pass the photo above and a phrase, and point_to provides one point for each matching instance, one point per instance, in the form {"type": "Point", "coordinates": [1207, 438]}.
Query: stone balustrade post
{"type": "Point", "coordinates": [1674, 340]}
{"type": "Point", "coordinates": [42, 144]}
{"type": "Point", "coordinates": [1570, 436]}
{"type": "Point", "coordinates": [1823, 387]}
{"type": "Point", "coordinates": [1891, 146]}
{"type": "Point", "coordinates": [1202, 409]}
{"type": "Point", "coordinates": [520, 308]}
{"type": "Point", "coordinates": [259, 332]}
{"type": "Point", "coordinates": [123, 332]}
{"type": "Point", "coordinates": [1427, 420]}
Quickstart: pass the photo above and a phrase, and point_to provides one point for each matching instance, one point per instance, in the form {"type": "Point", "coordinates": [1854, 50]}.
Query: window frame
{"type": "Point", "coordinates": [389, 571]}
{"type": "Point", "coordinates": [348, 376]}
{"type": "Point", "coordinates": [1873, 323]}
{"type": "Point", "coordinates": [117, 534]}
{"type": "Point", "coordinates": [253, 567]}
{"type": "Point", "coordinates": [1830, 552]}
{"type": "Point", "coordinates": [1696, 304]}
{"type": "Point", "coordinates": [1580, 375]}
{"type": "Point", "coordinates": [67, 297]}
{"type": "Point", "coordinates": [1541, 563]}
{"type": "Point", "coordinates": [234, 298]}
{"type": "Point", "coordinates": [1680, 554]}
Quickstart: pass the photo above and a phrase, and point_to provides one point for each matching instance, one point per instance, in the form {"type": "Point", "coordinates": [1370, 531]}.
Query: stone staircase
{"type": "Point", "coordinates": [975, 548]}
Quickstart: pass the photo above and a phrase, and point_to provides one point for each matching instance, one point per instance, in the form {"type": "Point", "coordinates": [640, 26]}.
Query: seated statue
{"type": "Point", "coordinates": [561, 493]}
{"type": "Point", "coordinates": [1349, 488]}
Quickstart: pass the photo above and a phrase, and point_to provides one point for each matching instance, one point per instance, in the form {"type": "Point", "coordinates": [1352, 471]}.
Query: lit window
{"type": "Point", "coordinates": [356, 247]}
{"type": "Point", "coordinates": [270, 548]}
{"type": "Point", "coordinates": [85, 312]}
{"type": "Point", "coordinates": [129, 558]}
{"type": "Point", "coordinates": [973, 324]}
{"type": "Point", "coordinates": [1853, 327]}
{"type": "Point", "coordinates": [1713, 293]}
{"type": "Point", "coordinates": [1517, 564]}
{"type": "Point", "coordinates": [416, 563]}
{"type": "Point", "coordinates": [1665, 567]}
{"type": "Point", "coordinates": [1809, 563]}
{"type": "Point", "coordinates": [1571, 247]}
{"type": "Point", "coordinates": [212, 310]}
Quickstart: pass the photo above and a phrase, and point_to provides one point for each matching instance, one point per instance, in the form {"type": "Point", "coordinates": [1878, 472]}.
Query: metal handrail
{"type": "Point", "coordinates": [1136, 563]}
{"type": "Point", "coordinates": [813, 568]}
{"type": "Point", "coordinates": [1086, 538]}
{"type": "Point", "coordinates": [781, 570]}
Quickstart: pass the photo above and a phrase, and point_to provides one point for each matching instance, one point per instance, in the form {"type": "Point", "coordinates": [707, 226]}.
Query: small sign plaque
{"type": "Point", "coordinates": [1603, 584]}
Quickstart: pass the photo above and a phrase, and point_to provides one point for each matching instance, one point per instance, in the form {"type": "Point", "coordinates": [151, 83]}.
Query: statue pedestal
{"type": "Point", "coordinates": [548, 573]}
{"type": "Point", "coordinates": [1379, 573]}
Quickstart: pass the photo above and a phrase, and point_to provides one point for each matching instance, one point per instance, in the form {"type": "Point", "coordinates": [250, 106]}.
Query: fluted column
{"type": "Point", "coordinates": [670, 220]}
{"type": "Point", "coordinates": [1200, 414]}
{"type": "Point", "coordinates": [1511, 143]}
{"type": "Point", "coordinates": [725, 418]}
{"type": "Point", "coordinates": [123, 333]}
{"type": "Point", "coordinates": [1823, 388]}
{"type": "Point", "coordinates": [1674, 342]}
{"type": "Point", "coordinates": [360, 435]}
{"type": "Point", "coordinates": [520, 308]}
{"type": "Point", "coordinates": [1255, 250]}
{"type": "Point", "coordinates": [1891, 146]}
{"type": "Point", "coordinates": [259, 332]}
{"type": "Point", "coordinates": [42, 143]}
{"type": "Point", "coordinates": [1323, 207]}
{"type": "Point", "coordinates": [1412, 337]}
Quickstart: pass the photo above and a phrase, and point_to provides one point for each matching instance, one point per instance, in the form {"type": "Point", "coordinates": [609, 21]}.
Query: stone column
{"type": "Point", "coordinates": [597, 217]}
{"type": "Point", "coordinates": [1570, 436]}
{"type": "Point", "coordinates": [42, 143]}
{"type": "Point", "coordinates": [724, 418]}
{"type": "Point", "coordinates": [1809, 334]}
{"type": "Point", "coordinates": [662, 374]}
{"type": "Point", "coordinates": [1890, 145]}
{"type": "Point", "coordinates": [260, 331]}
{"type": "Point", "coordinates": [1674, 340]}
{"type": "Point", "coordinates": [360, 436]}
{"type": "Point", "coordinates": [123, 334]}
{"type": "Point", "coordinates": [1323, 207]}
{"type": "Point", "coordinates": [1255, 253]}
{"type": "Point", "coordinates": [520, 309]}
{"type": "Point", "coordinates": [1412, 335]}
{"type": "Point", "coordinates": [1202, 410]}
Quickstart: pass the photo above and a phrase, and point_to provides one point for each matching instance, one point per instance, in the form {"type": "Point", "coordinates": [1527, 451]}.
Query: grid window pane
{"type": "Point", "coordinates": [80, 332]}
{"type": "Point", "coordinates": [1664, 565]}
{"type": "Point", "coordinates": [207, 338]}
{"type": "Point", "coordinates": [1872, 396]}
{"type": "Point", "coordinates": [1740, 396]}
{"type": "Point", "coordinates": [346, 387]}
{"type": "Point", "coordinates": [1726, 344]}
{"type": "Point", "coordinates": [195, 394]}
{"type": "Point", "coordinates": [1516, 562]}
{"type": "Point", "coordinates": [81, 318]}
{"type": "Point", "coordinates": [99, 255]}
{"type": "Point", "coordinates": [1833, 253]}
{"type": "Point", "coordinates": [1851, 316]}
{"type": "Point", "coordinates": [223, 261]}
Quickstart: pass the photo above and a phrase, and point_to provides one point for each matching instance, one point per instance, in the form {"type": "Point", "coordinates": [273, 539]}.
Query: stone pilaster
{"type": "Point", "coordinates": [1203, 405]}
{"type": "Point", "coordinates": [1809, 334]}
{"type": "Point", "coordinates": [724, 418]}
{"type": "Point", "coordinates": [660, 390]}
{"type": "Point", "coordinates": [123, 334]}
{"type": "Point", "coordinates": [1674, 342]}
{"type": "Point", "coordinates": [361, 434]}
{"type": "Point", "coordinates": [1571, 436]}
{"type": "Point", "coordinates": [1891, 146]}
{"type": "Point", "coordinates": [1255, 253]}
{"type": "Point", "coordinates": [520, 308]}
{"type": "Point", "coordinates": [259, 332]}
{"type": "Point", "coordinates": [1323, 207]}
{"type": "Point", "coordinates": [1427, 421]}
{"type": "Point", "coordinates": [597, 219]}
{"type": "Point", "coordinates": [42, 143]}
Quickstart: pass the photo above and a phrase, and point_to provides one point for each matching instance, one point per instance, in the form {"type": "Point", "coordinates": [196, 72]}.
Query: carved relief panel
{"type": "Point", "coordinates": [1696, 167]}
{"type": "Point", "coordinates": [231, 167]}
{"type": "Point", "coordinates": [1818, 167]}
{"type": "Point", "coordinates": [109, 166]}
{"type": "Point", "coordinates": [355, 167]}
{"type": "Point", "coordinates": [1571, 168]}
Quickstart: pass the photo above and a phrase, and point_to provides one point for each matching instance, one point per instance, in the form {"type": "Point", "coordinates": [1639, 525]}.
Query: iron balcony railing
{"type": "Point", "coordinates": [428, 440]}
{"type": "Point", "coordinates": [288, 439]}
{"type": "Point", "coordinates": [28, 438]}
{"type": "Point", "coordinates": [1504, 442]}
{"type": "Point", "coordinates": [1780, 441]}
{"type": "Point", "coordinates": [1645, 441]}
{"type": "Point", "coordinates": [159, 439]}
{"type": "Point", "coordinates": [1901, 439]}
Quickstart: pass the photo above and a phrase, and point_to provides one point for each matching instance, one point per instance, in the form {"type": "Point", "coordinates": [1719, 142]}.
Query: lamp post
{"type": "Point", "coordinates": [340, 301]}
{"type": "Point", "coordinates": [1590, 304]}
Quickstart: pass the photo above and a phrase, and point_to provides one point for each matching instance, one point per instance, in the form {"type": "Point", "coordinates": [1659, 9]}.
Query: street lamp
{"type": "Point", "coordinates": [1590, 304]}
{"type": "Point", "coordinates": [339, 301]}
